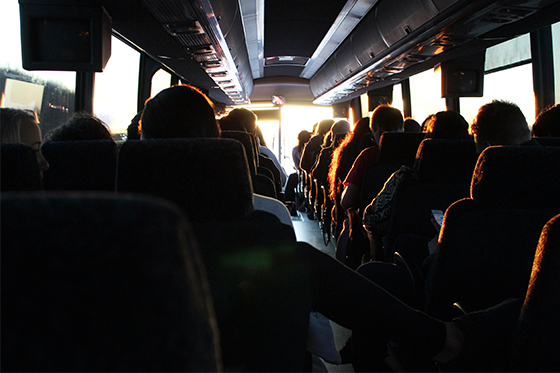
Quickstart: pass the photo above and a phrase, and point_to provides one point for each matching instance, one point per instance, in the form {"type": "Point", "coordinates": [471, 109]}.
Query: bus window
{"type": "Point", "coordinates": [508, 77]}
{"type": "Point", "coordinates": [397, 98]}
{"type": "Point", "coordinates": [556, 47]}
{"type": "Point", "coordinates": [116, 88]}
{"type": "Point", "coordinates": [49, 93]}
{"type": "Point", "coordinates": [514, 84]}
{"type": "Point", "coordinates": [160, 81]}
{"type": "Point", "coordinates": [425, 94]}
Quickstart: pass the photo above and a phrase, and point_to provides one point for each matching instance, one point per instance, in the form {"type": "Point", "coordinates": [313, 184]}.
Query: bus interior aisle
{"type": "Point", "coordinates": [308, 230]}
{"type": "Point", "coordinates": [134, 132]}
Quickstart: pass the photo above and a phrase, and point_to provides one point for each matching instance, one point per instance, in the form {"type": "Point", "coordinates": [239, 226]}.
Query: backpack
{"type": "Point", "coordinates": [378, 213]}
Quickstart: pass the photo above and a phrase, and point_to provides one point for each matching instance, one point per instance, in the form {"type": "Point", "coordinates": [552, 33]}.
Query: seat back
{"type": "Point", "coordinates": [447, 161]}
{"type": "Point", "coordinates": [395, 150]}
{"type": "Point", "coordinates": [80, 165]}
{"type": "Point", "coordinates": [536, 342]}
{"type": "Point", "coordinates": [548, 141]}
{"type": "Point", "coordinates": [99, 283]}
{"type": "Point", "coordinates": [487, 242]}
{"type": "Point", "coordinates": [443, 172]}
{"type": "Point", "coordinates": [208, 178]}
{"type": "Point", "coordinates": [20, 170]}
{"type": "Point", "coordinates": [245, 139]}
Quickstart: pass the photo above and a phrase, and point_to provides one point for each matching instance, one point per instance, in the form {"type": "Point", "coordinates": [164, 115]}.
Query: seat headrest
{"type": "Point", "coordinates": [80, 165]}
{"type": "Point", "coordinates": [399, 147]}
{"type": "Point", "coordinates": [208, 178]}
{"type": "Point", "coordinates": [517, 176]}
{"type": "Point", "coordinates": [245, 139]}
{"type": "Point", "coordinates": [446, 161]}
{"type": "Point", "coordinates": [104, 283]}
{"type": "Point", "coordinates": [20, 170]}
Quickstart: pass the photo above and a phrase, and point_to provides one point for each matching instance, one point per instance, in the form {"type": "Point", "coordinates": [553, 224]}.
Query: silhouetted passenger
{"type": "Point", "coordinates": [321, 169]}
{"type": "Point", "coordinates": [335, 291]}
{"type": "Point", "coordinates": [342, 160]}
{"type": "Point", "coordinates": [249, 121]}
{"type": "Point", "coordinates": [133, 129]}
{"type": "Point", "coordinates": [500, 123]}
{"type": "Point", "coordinates": [410, 125]}
{"type": "Point", "coordinates": [313, 146]}
{"type": "Point", "coordinates": [21, 127]}
{"type": "Point", "coordinates": [547, 123]}
{"type": "Point", "coordinates": [297, 151]}
{"type": "Point", "coordinates": [184, 112]}
{"type": "Point", "coordinates": [290, 195]}
{"type": "Point", "coordinates": [383, 119]}
{"type": "Point", "coordinates": [228, 123]}
{"type": "Point", "coordinates": [82, 126]}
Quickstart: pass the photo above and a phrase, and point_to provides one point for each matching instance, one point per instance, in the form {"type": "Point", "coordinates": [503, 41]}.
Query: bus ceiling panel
{"type": "Point", "coordinates": [227, 12]}
{"type": "Point", "coordinates": [366, 40]}
{"type": "Point", "coordinates": [397, 19]}
{"type": "Point", "coordinates": [197, 27]}
{"type": "Point", "coordinates": [465, 24]}
{"type": "Point", "coordinates": [134, 22]}
{"type": "Point", "coordinates": [347, 66]}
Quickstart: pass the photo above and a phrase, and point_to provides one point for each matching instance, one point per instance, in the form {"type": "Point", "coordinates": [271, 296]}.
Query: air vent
{"type": "Point", "coordinates": [184, 28]}
{"type": "Point", "coordinates": [507, 15]}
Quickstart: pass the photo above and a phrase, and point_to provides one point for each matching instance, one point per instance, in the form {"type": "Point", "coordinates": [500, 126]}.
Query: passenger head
{"type": "Point", "coordinates": [361, 127]}
{"type": "Point", "coordinates": [228, 123]}
{"type": "Point", "coordinates": [324, 126]}
{"type": "Point", "coordinates": [547, 123]}
{"type": "Point", "coordinates": [447, 125]}
{"type": "Point", "coordinates": [303, 137]}
{"type": "Point", "coordinates": [20, 126]}
{"type": "Point", "coordinates": [385, 119]}
{"type": "Point", "coordinates": [499, 123]}
{"type": "Point", "coordinates": [342, 127]}
{"type": "Point", "coordinates": [181, 111]}
{"type": "Point", "coordinates": [247, 118]}
{"type": "Point", "coordinates": [410, 125]}
{"type": "Point", "coordinates": [82, 126]}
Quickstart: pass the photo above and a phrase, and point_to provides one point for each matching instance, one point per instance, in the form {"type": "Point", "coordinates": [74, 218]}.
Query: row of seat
{"type": "Point", "coordinates": [91, 165]}
{"type": "Point", "coordinates": [209, 181]}
{"type": "Point", "coordinates": [224, 236]}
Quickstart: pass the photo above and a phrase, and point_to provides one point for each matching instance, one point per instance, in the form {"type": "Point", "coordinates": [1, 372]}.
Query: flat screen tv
{"type": "Point", "coordinates": [65, 38]}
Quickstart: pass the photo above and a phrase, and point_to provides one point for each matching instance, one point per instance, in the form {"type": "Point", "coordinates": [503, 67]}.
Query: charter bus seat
{"type": "Point", "coordinates": [536, 343]}
{"type": "Point", "coordinates": [209, 179]}
{"type": "Point", "coordinates": [487, 242]}
{"type": "Point", "coordinates": [245, 139]}
{"type": "Point", "coordinates": [98, 282]}
{"type": "Point", "coordinates": [443, 173]}
{"type": "Point", "coordinates": [269, 164]}
{"type": "Point", "coordinates": [395, 150]}
{"type": "Point", "coordinates": [80, 165]}
{"type": "Point", "coordinates": [19, 167]}
{"type": "Point", "coordinates": [261, 177]}
{"type": "Point", "coordinates": [548, 141]}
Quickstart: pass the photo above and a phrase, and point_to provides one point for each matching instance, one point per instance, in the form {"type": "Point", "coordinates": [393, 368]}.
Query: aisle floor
{"type": "Point", "coordinates": [308, 231]}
